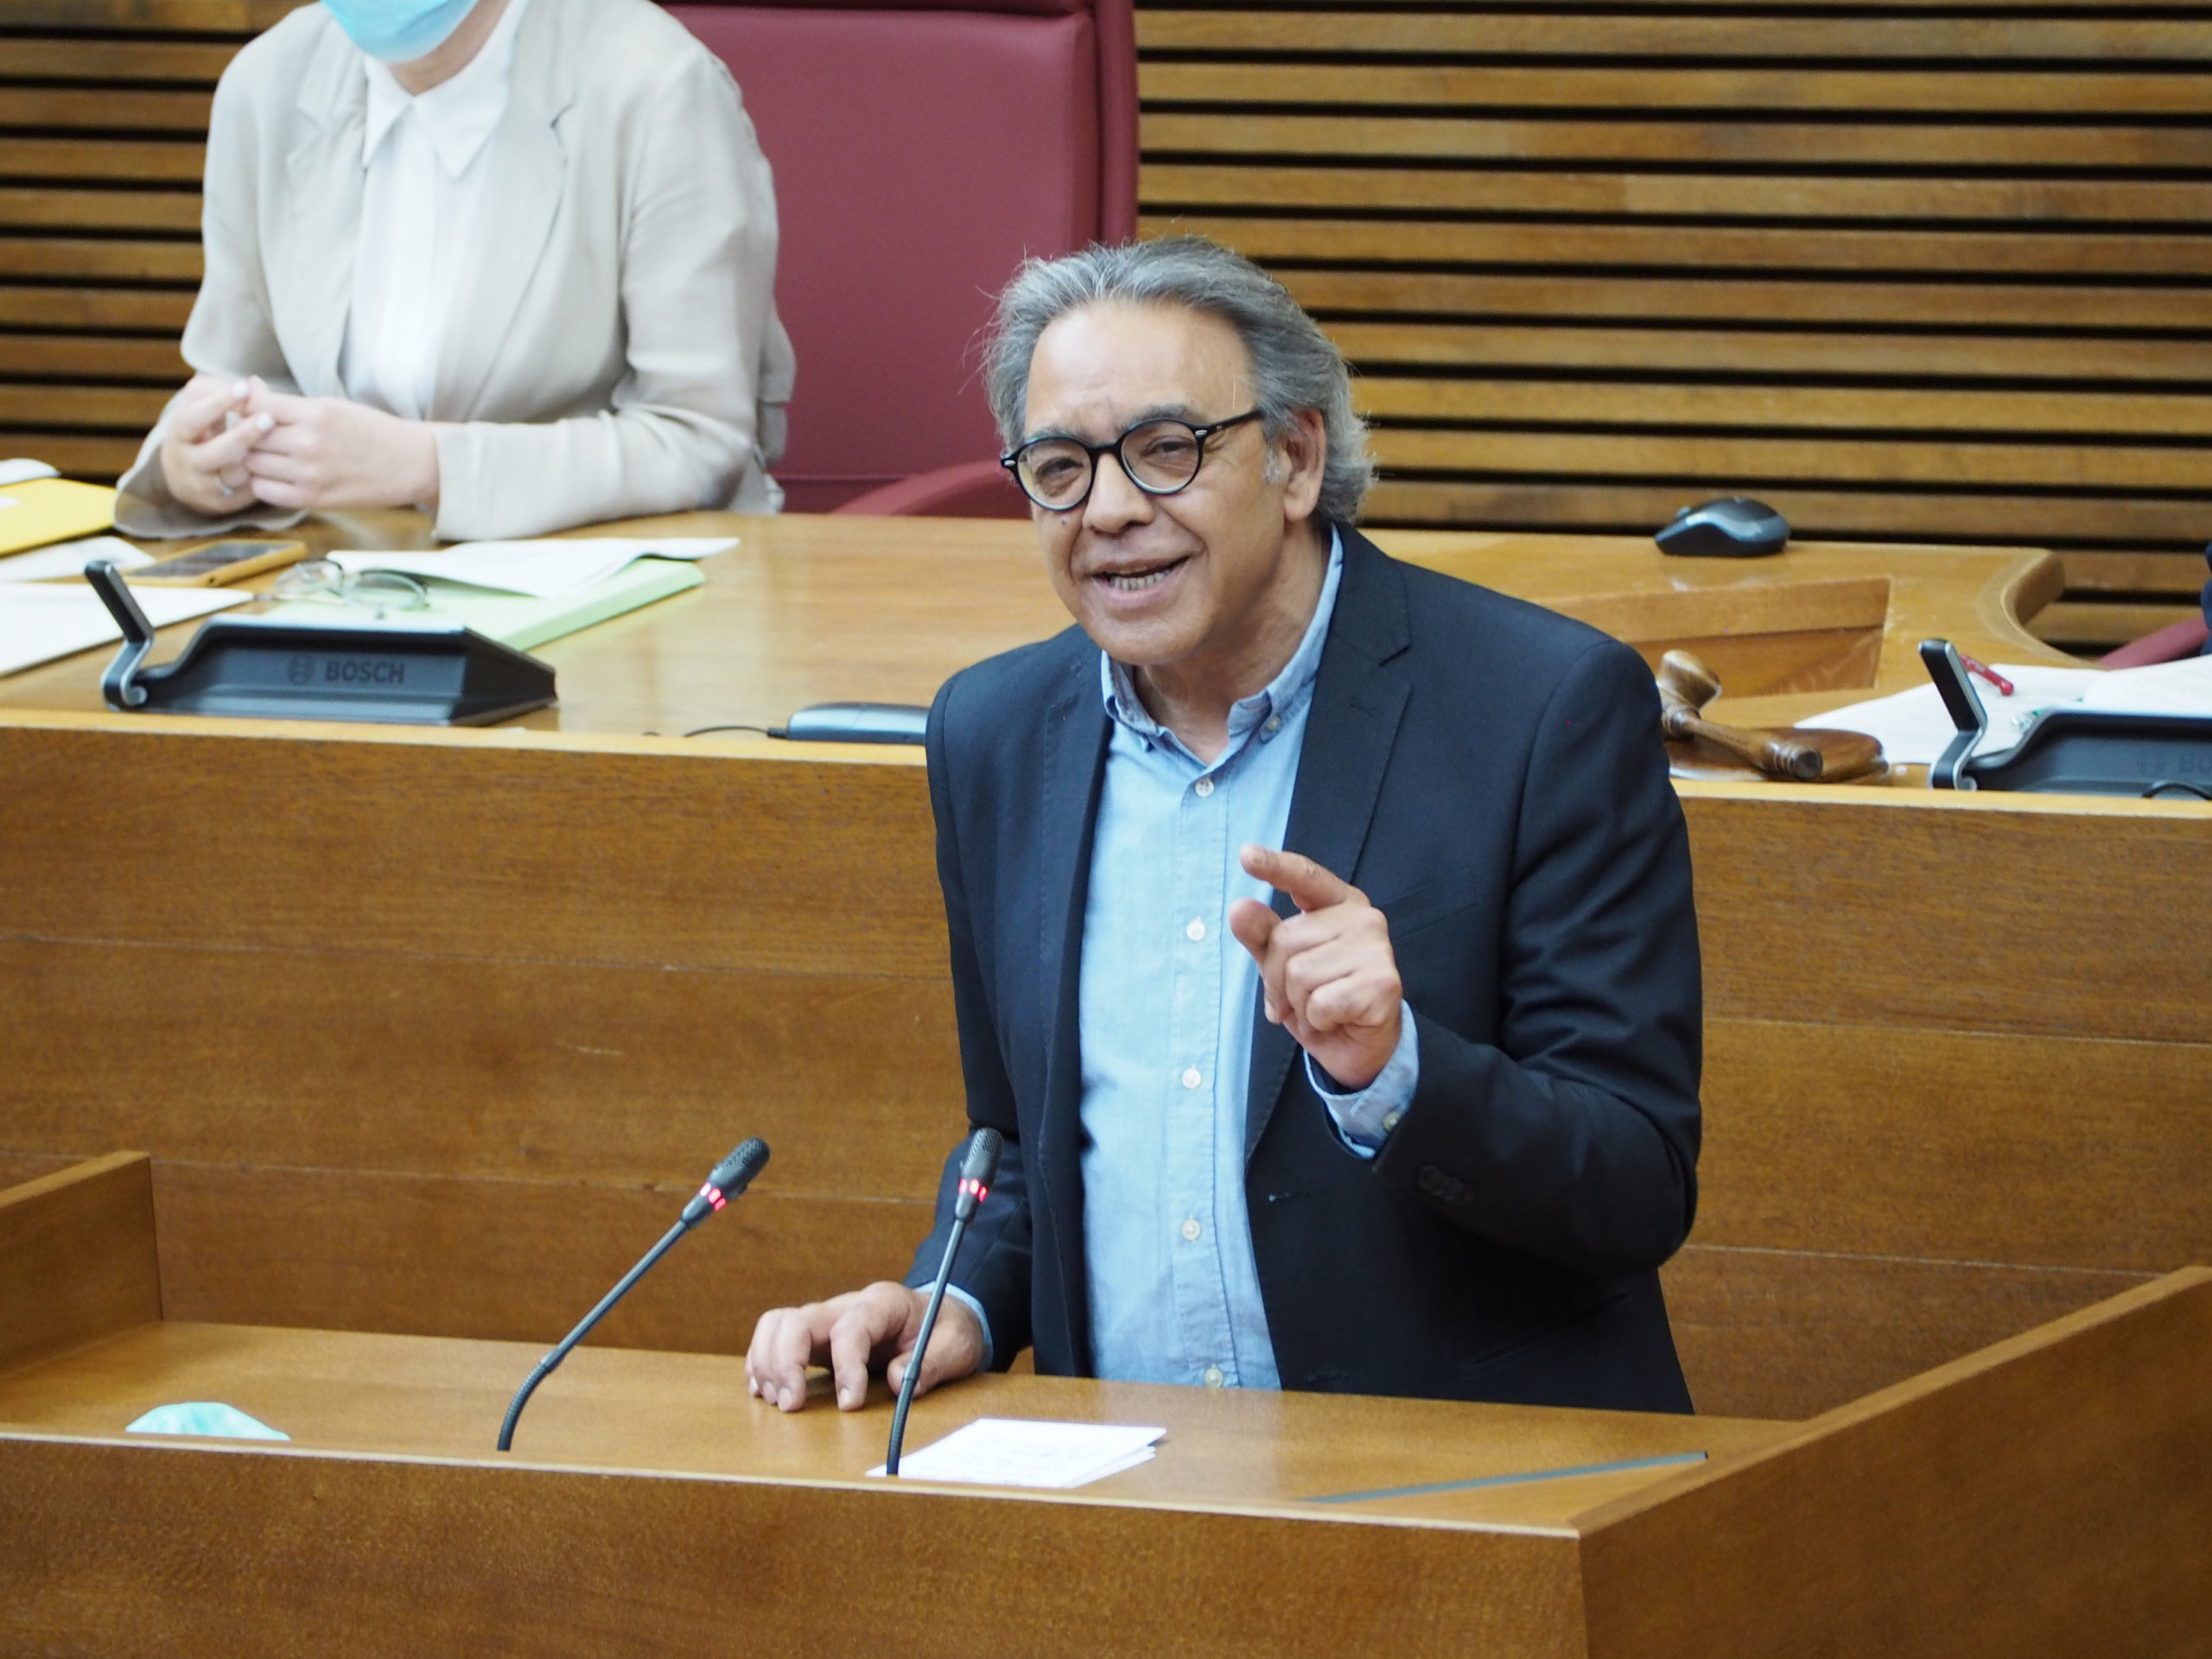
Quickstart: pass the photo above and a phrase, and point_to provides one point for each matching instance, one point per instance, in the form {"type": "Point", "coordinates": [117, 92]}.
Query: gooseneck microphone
{"type": "Point", "coordinates": [730, 1178]}
{"type": "Point", "coordinates": [977, 1171]}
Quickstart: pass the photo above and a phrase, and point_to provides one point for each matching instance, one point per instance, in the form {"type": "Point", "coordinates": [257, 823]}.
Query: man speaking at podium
{"type": "Point", "coordinates": [1428, 1123]}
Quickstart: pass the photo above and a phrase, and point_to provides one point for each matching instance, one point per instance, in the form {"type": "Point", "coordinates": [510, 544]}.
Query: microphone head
{"type": "Point", "coordinates": [735, 1172]}
{"type": "Point", "coordinates": [977, 1171]}
{"type": "Point", "coordinates": [982, 1163]}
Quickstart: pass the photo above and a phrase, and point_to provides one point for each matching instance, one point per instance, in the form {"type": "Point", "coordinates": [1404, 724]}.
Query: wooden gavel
{"type": "Point", "coordinates": [1803, 755]}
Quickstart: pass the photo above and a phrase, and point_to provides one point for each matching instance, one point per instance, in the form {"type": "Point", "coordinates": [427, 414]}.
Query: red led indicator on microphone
{"type": "Point", "coordinates": [974, 1188]}
{"type": "Point", "coordinates": [712, 1195]}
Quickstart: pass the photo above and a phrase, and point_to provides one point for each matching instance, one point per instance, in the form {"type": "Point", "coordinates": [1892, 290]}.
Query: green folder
{"type": "Point", "coordinates": [515, 619]}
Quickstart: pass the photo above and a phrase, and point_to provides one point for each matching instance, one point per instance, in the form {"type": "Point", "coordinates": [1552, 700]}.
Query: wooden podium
{"type": "Point", "coordinates": [2045, 1496]}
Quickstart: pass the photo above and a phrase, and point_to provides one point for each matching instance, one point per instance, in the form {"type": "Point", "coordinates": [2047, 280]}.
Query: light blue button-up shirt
{"type": "Point", "coordinates": [1167, 1000]}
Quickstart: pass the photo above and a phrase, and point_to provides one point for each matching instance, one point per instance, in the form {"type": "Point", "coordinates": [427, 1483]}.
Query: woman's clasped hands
{"type": "Point", "coordinates": [233, 443]}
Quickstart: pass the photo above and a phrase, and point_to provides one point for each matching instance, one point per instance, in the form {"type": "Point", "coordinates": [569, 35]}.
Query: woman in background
{"type": "Point", "coordinates": [510, 260]}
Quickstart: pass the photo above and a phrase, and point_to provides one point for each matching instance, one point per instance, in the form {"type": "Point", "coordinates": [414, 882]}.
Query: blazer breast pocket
{"type": "Point", "coordinates": [1431, 903]}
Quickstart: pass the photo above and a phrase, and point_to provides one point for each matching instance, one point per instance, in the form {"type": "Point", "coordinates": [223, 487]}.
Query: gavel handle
{"type": "Point", "coordinates": [1776, 756]}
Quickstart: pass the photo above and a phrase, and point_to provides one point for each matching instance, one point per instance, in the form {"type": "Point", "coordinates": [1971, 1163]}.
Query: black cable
{"type": "Point", "coordinates": [2198, 790]}
{"type": "Point", "coordinates": [764, 731]}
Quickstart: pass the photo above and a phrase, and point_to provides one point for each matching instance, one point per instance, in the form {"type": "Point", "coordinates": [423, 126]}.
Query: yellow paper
{"type": "Point", "coordinates": [51, 509]}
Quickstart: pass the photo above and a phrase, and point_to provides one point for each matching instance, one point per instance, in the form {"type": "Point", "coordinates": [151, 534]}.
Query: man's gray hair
{"type": "Point", "coordinates": [1294, 366]}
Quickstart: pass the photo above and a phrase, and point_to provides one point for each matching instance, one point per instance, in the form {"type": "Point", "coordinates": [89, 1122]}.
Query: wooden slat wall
{"type": "Point", "coordinates": [1933, 270]}
{"type": "Point", "coordinates": [103, 122]}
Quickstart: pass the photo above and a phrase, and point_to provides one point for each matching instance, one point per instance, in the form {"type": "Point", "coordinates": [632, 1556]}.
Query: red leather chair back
{"type": "Point", "coordinates": [920, 154]}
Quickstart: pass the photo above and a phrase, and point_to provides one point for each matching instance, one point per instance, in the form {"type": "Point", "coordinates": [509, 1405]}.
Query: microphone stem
{"type": "Point", "coordinates": [922, 1345]}
{"type": "Point", "coordinates": [545, 1365]}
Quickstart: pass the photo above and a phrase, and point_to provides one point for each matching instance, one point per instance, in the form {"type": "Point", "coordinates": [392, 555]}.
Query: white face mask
{"type": "Point", "coordinates": [399, 31]}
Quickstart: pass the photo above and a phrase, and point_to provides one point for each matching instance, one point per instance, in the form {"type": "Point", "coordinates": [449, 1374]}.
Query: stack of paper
{"type": "Point", "coordinates": [70, 558]}
{"type": "Point", "coordinates": [40, 621]}
{"type": "Point", "coordinates": [1915, 729]}
{"type": "Point", "coordinates": [1016, 1452]}
{"type": "Point", "coordinates": [543, 570]}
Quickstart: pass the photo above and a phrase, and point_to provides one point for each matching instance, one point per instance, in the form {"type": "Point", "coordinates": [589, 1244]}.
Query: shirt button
{"type": "Point", "coordinates": [1195, 930]}
{"type": "Point", "coordinates": [1274, 725]}
{"type": "Point", "coordinates": [1191, 1078]}
{"type": "Point", "coordinates": [1213, 1376]}
{"type": "Point", "coordinates": [1390, 1120]}
{"type": "Point", "coordinates": [1190, 1230]}
{"type": "Point", "coordinates": [1204, 787]}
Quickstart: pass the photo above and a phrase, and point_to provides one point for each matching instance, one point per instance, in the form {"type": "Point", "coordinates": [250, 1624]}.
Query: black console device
{"type": "Point", "coordinates": [262, 668]}
{"type": "Point", "coordinates": [1734, 527]}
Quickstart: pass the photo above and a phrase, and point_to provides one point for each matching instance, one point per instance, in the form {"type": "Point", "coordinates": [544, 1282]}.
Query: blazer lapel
{"type": "Point", "coordinates": [311, 248]}
{"type": "Point", "coordinates": [1073, 769]}
{"type": "Point", "coordinates": [522, 197]}
{"type": "Point", "coordinates": [1359, 696]}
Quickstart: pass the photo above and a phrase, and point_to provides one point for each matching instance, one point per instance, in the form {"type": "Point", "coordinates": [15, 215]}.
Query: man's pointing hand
{"type": "Point", "coordinates": [1327, 975]}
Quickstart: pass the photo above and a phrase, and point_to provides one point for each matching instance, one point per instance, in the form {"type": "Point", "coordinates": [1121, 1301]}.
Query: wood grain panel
{"type": "Point", "coordinates": [1792, 1333]}
{"type": "Point", "coordinates": [79, 260]}
{"type": "Point", "coordinates": [69, 109]}
{"type": "Point", "coordinates": [1914, 93]}
{"type": "Point", "coordinates": [519, 1261]}
{"type": "Point", "coordinates": [120, 356]}
{"type": "Point", "coordinates": [1369, 30]}
{"type": "Point", "coordinates": [1938, 459]}
{"type": "Point", "coordinates": [2178, 574]}
{"type": "Point", "coordinates": [184, 16]}
{"type": "Point", "coordinates": [548, 1071]}
{"type": "Point", "coordinates": [1932, 202]}
{"type": "Point", "coordinates": [1648, 144]}
{"type": "Point", "coordinates": [1946, 308]}
{"type": "Point", "coordinates": [95, 308]}
{"type": "Point", "coordinates": [1872, 514]}
{"type": "Point", "coordinates": [1967, 952]}
{"type": "Point", "coordinates": [2105, 625]}
{"type": "Point", "coordinates": [480, 852]}
{"type": "Point", "coordinates": [96, 59]}
{"type": "Point", "coordinates": [75, 454]}
{"type": "Point", "coordinates": [1965, 1496]}
{"type": "Point", "coordinates": [1778, 353]}
{"type": "Point", "coordinates": [444, 1556]}
{"type": "Point", "coordinates": [50, 405]}
{"type": "Point", "coordinates": [2110, 415]}
{"type": "Point", "coordinates": [77, 1257]}
{"type": "Point", "coordinates": [1957, 1145]}
{"type": "Point", "coordinates": [103, 159]}
{"type": "Point", "coordinates": [1981, 254]}
{"type": "Point", "coordinates": [99, 210]}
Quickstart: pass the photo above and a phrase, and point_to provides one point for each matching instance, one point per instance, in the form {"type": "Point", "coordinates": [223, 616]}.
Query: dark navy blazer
{"type": "Point", "coordinates": [1491, 775]}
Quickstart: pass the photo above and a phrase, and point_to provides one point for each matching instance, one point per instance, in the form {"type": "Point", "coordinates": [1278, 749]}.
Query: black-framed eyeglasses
{"type": "Point", "coordinates": [1159, 456]}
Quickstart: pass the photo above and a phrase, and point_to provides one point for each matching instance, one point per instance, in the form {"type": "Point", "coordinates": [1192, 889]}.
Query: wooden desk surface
{"type": "Point", "coordinates": [817, 609]}
{"type": "Point", "coordinates": [629, 1409]}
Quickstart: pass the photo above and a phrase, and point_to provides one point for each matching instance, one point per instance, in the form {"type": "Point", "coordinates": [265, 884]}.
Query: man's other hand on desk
{"type": "Point", "coordinates": [854, 1334]}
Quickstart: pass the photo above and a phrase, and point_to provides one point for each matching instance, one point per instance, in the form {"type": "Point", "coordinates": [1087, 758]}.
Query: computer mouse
{"type": "Point", "coordinates": [1734, 527]}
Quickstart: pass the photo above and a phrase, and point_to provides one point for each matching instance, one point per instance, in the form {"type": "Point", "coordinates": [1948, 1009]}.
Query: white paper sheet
{"type": "Point", "coordinates": [1020, 1451]}
{"type": "Point", "coordinates": [40, 621]}
{"type": "Point", "coordinates": [1915, 729]}
{"type": "Point", "coordinates": [70, 558]}
{"type": "Point", "coordinates": [543, 570]}
{"type": "Point", "coordinates": [2182, 687]}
